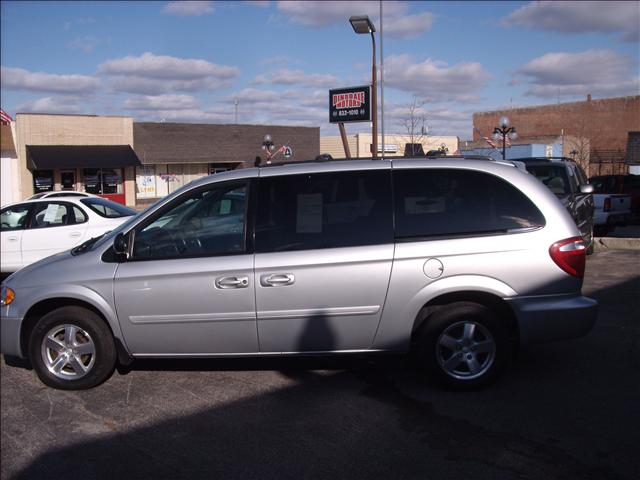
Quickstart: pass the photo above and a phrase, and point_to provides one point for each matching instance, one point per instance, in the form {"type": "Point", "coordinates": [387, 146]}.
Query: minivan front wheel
{"type": "Point", "coordinates": [465, 345]}
{"type": "Point", "coordinates": [71, 348]}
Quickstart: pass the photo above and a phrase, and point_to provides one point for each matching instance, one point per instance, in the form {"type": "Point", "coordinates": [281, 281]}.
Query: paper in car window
{"type": "Point", "coordinates": [309, 213]}
{"type": "Point", "coordinates": [225, 206]}
{"type": "Point", "coordinates": [51, 214]}
{"type": "Point", "coordinates": [417, 205]}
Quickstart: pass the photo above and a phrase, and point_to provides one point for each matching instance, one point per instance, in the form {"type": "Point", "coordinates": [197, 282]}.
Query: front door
{"type": "Point", "coordinates": [68, 179]}
{"type": "Point", "coordinates": [324, 248]}
{"type": "Point", "coordinates": [54, 227]}
{"type": "Point", "coordinates": [188, 287]}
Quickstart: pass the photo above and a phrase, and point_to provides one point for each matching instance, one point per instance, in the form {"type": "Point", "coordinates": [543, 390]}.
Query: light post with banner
{"type": "Point", "coordinates": [270, 149]}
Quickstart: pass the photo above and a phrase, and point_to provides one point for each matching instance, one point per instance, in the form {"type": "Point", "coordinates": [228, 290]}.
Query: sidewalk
{"type": "Point", "coordinates": [622, 238]}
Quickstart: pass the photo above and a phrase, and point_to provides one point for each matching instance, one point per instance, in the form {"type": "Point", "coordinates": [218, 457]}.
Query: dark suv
{"type": "Point", "coordinates": [567, 180]}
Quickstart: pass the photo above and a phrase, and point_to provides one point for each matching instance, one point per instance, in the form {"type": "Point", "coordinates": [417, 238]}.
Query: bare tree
{"type": "Point", "coordinates": [415, 126]}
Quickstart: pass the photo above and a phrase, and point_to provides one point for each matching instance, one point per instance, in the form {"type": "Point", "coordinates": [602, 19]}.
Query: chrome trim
{"type": "Point", "coordinates": [193, 318]}
{"type": "Point", "coordinates": [315, 312]}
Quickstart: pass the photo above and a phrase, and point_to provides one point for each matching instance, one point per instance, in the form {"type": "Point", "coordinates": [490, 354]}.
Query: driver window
{"type": "Point", "coordinates": [206, 222]}
{"type": "Point", "coordinates": [13, 218]}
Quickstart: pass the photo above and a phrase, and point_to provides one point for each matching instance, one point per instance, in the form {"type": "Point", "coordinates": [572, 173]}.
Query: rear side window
{"type": "Point", "coordinates": [324, 210]}
{"type": "Point", "coordinates": [553, 176]}
{"type": "Point", "coordinates": [457, 202]}
{"type": "Point", "coordinates": [107, 208]}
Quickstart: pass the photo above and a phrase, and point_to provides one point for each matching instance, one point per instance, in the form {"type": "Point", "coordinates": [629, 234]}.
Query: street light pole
{"type": "Point", "coordinates": [504, 132]}
{"type": "Point", "coordinates": [361, 25]}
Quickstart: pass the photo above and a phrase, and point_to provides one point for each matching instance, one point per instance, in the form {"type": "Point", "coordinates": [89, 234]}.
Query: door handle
{"type": "Point", "coordinates": [12, 239]}
{"type": "Point", "coordinates": [277, 279]}
{"type": "Point", "coordinates": [75, 234]}
{"type": "Point", "coordinates": [232, 282]}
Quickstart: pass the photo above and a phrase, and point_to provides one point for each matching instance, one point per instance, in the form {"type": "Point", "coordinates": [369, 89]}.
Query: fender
{"type": "Point", "coordinates": [399, 314]}
{"type": "Point", "coordinates": [82, 293]}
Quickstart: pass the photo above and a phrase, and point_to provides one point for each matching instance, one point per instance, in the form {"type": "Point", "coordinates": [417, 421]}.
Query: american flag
{"type": "Point", "coordinates": [486, 139]}
{"type": "Point", "coordinates": [5, 118]}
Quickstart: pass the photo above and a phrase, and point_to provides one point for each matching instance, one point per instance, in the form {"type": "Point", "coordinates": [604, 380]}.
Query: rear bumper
{"type": "Point", "coordinates": [554, 317]}
{"type": "Point", "coordinates": [10, 335]}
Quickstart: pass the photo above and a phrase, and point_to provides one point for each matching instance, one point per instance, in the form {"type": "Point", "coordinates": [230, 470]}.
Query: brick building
{"type": "Point", "coordinates": [600, 128]}
{"type": "Point", "coordinates": [173, 154]}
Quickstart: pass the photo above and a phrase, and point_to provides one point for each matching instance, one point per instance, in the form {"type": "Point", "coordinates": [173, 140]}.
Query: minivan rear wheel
{"type": "Point", "coordinates": [464, 345]}
{"type": "Point", "coordinates": [71, 348]}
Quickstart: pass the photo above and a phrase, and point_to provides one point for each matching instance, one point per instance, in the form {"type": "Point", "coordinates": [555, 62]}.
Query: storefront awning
{"type": "Point", "coordinates": [48, 157]}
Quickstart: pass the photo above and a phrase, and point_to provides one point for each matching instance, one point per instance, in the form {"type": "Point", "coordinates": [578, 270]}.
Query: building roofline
{"type": "Point", "coordinates": [223, 124]}
{"type": "Point", "coordinates": [73, 115]}
{"type": "Point", "coordinates": [506, 109]}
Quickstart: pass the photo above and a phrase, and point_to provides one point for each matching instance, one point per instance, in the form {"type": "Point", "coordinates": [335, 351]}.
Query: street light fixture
{"type": "Point", "coordinates": [362, 24]}
{"type": "Point", "coordinates": [504, 132]}
{"type": "Point", "coordinates": [268, 147]}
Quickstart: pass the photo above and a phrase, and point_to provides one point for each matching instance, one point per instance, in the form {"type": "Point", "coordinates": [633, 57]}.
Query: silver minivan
{"type": "Point", "coordinates": [456, 260]}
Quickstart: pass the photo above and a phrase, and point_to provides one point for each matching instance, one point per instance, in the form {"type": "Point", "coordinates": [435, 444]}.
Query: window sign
{"type": "Point", "coordinates": [51, 214]}
{"type": "Point", "coordinates": [145, 181]}
{"type": "Point", "coordinates": [309, 213]}
{"type": "Point", "coordinates": [43, 181]}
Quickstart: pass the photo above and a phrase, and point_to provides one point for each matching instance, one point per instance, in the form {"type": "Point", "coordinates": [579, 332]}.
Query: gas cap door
{"type": "Point", "coordinates": [433, 268]}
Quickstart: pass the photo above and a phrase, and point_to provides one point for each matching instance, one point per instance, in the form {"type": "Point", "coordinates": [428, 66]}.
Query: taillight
{"type": "Point", "coordinates": [607, 204]}
{"type": "Point", "coordinates": [570, 255]}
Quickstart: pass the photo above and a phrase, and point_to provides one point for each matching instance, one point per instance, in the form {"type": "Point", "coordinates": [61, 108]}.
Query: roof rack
{"type": "Point", "coordinates": [328, 158]}
{"type": "Point", "coordinates": [564, 159]}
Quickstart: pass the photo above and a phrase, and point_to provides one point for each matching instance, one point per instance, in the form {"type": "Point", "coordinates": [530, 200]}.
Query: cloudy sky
{"type": "Point", "coordinates": [192, 61]}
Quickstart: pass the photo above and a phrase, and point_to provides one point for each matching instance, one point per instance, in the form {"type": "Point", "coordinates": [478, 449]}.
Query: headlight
{"type": "Point", "coordinates": [7, 296]}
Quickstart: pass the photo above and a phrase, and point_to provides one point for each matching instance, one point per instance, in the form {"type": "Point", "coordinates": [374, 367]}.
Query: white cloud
{"type": "Point", "coordinates": [21, 79]}
{"type": "Point", "coordinates": [87, 44]}
{"type": "Point", "coordinates": [577, 17]}
{"type": "Point", "coordinates": [154, 74]}
{"type": "Point", "coordinates": [435, 81]}
{"type": "Point", "coordinates": [293, 77]}
{"type": "Point", "coordinates": [398, 22]}
{"type": "Point", "coordinates": [161, 102]}
{"type": "Point", "coordinates": [59, 104]}
{"type": "Point", "coordinates": [187, 8]}
{"type": "Point", "coordinates": [408, 26]}
{"type": "Point", "coordinates": [599, 72]}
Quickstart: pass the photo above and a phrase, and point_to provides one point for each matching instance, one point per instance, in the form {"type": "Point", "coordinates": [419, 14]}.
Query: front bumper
{"type": "Point", "coordinates": [10, 335]}
{"type": "Point", "coordinates": [554, 317]}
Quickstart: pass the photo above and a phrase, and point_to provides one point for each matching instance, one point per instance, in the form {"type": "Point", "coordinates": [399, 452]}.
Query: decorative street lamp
{"type": "Point", "coordinates": [268, 147]}
{"type": "Point", "coordinates": [362, 25]}
{"type": "Point", "coordinates": [504, 132]}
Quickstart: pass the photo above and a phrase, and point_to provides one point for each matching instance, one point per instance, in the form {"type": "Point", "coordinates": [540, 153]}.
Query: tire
{"type": "Point", "coordinates": [72, 348]}
{"type": "Point", "coordinates": [464, 345]}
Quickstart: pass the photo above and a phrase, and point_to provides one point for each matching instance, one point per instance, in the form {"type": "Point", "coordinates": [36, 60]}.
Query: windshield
{"type": "Point", "coordinates": [553, 176]}
{"type": "Point", "coordinates": [107, 208]}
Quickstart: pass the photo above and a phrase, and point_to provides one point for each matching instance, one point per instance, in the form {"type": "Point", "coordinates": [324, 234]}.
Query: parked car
{"type": "Point", "coordinates": [456, 260]}
{"type": "Point", "coordinates": [35, 229]}
{"type": "Point", "coordinates": [61, 193]}
{"type": "Point", "coordinates": [620, 185]}
{"type": "Point", "coordinates": [611, 210]}
{"type": "Point", "coordinates": [567, 180]}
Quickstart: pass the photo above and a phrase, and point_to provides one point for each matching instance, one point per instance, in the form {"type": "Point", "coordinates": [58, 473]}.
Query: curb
{"type": "Point", "coordinates": [601, 244]}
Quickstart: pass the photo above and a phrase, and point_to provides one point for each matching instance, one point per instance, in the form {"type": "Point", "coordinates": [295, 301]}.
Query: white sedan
{"type": "Point", "coordinates": [35, 229]}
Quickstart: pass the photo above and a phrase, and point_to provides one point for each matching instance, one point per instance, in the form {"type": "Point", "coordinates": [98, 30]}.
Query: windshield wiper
{"type": "Point", "coordinates": [84, 246]}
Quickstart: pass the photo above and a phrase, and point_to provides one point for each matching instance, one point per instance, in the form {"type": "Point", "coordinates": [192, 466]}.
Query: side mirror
{"type": "Point", "coordinates": [121, 246]}
{"type": "Point", "coordinates": [586, 188]}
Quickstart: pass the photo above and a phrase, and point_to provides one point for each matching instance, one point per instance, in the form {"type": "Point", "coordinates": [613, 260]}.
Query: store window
{"type": "Point", "coordinates": [101, 181]}
{"type": "Point", "coordinates": [220, 167]}
{"type": "Point", "coordinates": [43, 181]}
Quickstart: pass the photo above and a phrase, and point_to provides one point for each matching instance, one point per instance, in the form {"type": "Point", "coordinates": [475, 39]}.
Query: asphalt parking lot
{"type": "Point", "coordinates": [563, 410]}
